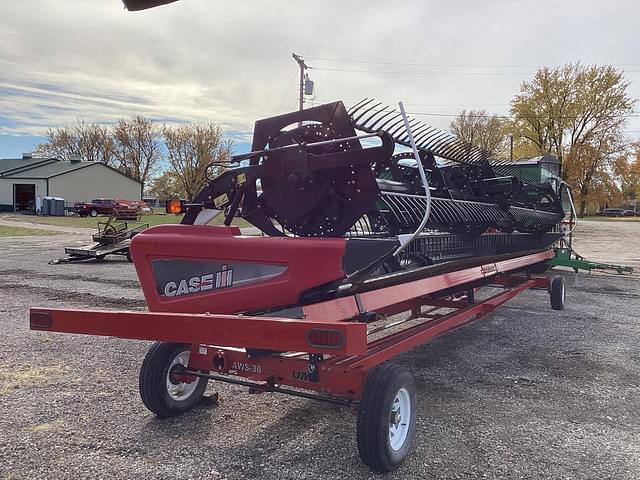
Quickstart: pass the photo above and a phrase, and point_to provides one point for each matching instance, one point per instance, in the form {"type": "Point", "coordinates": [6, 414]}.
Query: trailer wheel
{"type": "Point", "coordinates": [387, 417]}
{"type": "Point", "coordinates": [557, 293]}
{"type": "Point", "coordinates": [129, 257]}
{"type": "Point", "coordinates": [160, 391]}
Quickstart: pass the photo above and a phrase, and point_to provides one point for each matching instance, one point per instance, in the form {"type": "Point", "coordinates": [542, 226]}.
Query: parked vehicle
{"type": "Point", "coordinates": [103, 206]}
{"type": "Point", "coordinates": [141, 205]}
{"type": "Point", "coordinates": [614, 212]}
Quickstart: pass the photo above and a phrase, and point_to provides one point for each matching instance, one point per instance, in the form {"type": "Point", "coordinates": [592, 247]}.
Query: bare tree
{"type": "Point", "coordinates": [138, 147]}
{"type": "Point", "coordinates": [90, 141]}
{"type": "Point", "coordinates": [190, 149]}
{"type": "Point", "coordinates": [479, 129]}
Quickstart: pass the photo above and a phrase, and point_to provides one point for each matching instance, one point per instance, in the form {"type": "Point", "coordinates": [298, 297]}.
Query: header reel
{"type": "Point", "coordinates": [311, 174]}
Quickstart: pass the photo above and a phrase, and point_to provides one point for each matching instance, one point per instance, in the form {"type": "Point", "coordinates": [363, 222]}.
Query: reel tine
{"type": "Point", "coordinates": [359, 106]}
{"type": "Point", "coordinates": [432, 142]}
{"type": "Point", "coordinates": [399, 129]}
{"type": "Point", "coordinates": [364, 112]}
{"type": "Point", "coordinates": [424, 135]}
{"type": "Point", "coordinates": [380, 119]}
{"type": "Point", "coordinates": [405, 136]}
{"type": "Point", "coordinates": [394, 126]}
{"type": "Point", "coordinates": [400, 134]}
{"type": "Point", "coordinates": [419, 130]}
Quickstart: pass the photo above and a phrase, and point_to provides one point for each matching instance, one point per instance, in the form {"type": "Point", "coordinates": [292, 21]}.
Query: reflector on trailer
{"type": "Point", "coordinates": [174, 206]}
{"type": "Point", "coordinates": [325, 338]}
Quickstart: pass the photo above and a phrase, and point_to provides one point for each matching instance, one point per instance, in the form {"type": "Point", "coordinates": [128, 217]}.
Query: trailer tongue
{"type": "Point", "coordinates": [352, 237]}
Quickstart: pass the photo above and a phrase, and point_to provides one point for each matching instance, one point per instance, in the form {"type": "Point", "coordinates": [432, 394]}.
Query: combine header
{"type": "Point", "coordinates": [365, 214]}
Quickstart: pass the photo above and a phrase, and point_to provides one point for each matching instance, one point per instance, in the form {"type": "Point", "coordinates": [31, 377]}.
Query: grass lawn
{"type": "Point", "coordinates": [600, 218]}
{"type": "Point", "coordinates": [89, 222]}
{"type": "Point", "coordinates": [21, 232]}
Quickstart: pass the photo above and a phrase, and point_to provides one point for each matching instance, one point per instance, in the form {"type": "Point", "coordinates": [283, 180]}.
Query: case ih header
{"type": "Point", "coordinates": [365, 214]}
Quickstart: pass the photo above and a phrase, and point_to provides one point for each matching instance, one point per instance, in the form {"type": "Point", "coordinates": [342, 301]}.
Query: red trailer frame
{"type": "Point", "coordinates": [326, 355]}
{"type": "Point", "coordinates": [326, 351]}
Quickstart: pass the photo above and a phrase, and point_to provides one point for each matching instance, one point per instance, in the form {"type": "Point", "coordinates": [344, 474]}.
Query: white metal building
{"type": "Point", "coordinates": [23, 180]}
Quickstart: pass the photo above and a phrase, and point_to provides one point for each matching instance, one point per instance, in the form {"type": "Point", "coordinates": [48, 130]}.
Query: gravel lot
{"type": "Point", "coordinates": [527, 393]}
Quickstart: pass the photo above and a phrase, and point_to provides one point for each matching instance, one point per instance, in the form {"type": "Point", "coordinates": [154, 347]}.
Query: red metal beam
{"type": "Point", "coordinates": [384, 300]}
{"type": "Point", "coordinates": [281, 369]}
{"type": "Point", "coordinates": [268, 333]}
{"type": "Point", "coordinates": [392, 345]}
{"type": "Point", "coordinates": [380, 299]}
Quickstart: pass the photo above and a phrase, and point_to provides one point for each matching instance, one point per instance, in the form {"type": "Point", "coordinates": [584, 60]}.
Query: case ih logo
{"type": "Point", "coordinates": [200, 283]}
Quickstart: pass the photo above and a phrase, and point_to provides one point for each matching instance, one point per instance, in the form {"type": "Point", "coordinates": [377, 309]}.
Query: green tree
{"type": "Point", "coordinates": [627, 172]}
{"type": "Point", "coordinates": [576, 113]}
{"type": "Point", "coordinates": [166, 186]}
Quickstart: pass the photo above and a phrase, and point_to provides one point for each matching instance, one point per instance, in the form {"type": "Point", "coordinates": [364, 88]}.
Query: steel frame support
{"type": "Point", "coordinates": [344, 376]}
{"type": "Point", "coordinates": [271, 352]}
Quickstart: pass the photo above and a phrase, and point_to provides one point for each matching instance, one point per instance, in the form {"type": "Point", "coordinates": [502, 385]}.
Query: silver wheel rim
{"type": "Point", "coordinates": [180, 391]}
{"type": "Point", "coordinates": [399, 419]}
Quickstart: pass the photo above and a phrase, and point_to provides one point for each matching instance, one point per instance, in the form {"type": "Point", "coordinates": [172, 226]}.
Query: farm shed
{"type": "Point", "coordinates": [23, 180]}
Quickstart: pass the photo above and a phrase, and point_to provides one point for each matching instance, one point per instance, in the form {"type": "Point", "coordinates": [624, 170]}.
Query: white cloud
{"type": "Point", "coordinates": [230, 61]}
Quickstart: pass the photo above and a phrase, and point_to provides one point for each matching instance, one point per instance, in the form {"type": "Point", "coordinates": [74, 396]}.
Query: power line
{"type": "Point", "coordinates": [295, 74]}
{"type": "Point", "coordinates": [446, 65]}
{"type": "Point", "coordinates": [510, 117]}
{"type": "Point", "coordinates": [433, 104]}
{"type": "Point", "coordinates": [388, 72]}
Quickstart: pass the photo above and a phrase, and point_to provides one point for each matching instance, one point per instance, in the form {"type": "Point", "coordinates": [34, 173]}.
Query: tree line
{"type": "Point", "coordinates": [169, 160]}
{"type": "Point", "coordinates": [576, 113]}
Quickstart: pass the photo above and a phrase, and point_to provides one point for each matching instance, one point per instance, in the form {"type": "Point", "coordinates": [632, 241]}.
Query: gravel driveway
{"type": "Point", "coordinates": [526, 393]}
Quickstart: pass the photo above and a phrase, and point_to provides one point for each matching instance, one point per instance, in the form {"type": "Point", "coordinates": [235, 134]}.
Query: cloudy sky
{"type": "Point", "coordinates": [230, 61]}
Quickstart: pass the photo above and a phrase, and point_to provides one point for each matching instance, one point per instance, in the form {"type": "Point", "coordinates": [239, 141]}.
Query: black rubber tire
{"type": "Point", "coordinates": [557, 293]}
{"type": "Point", "coordinates": [153, 386]}
{"type": "Point", "coordinates": [129, 257]}
{"type": "Point", "coordinates": [382, 385]}
{"type": "Point", "coordinates": [93, 212]}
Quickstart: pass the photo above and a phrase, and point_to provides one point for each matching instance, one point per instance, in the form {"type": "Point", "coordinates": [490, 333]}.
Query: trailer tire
{"type": "Point", "coordinates": [388, 403]}
{"type": "Point", "coordinates": [557, 293]}
{"type": "Point", "coordinates": [160, 394]}
{"type": "Point", "coordinates": [129, 257]}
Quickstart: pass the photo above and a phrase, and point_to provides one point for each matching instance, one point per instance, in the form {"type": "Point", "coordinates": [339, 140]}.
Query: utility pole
{"type": "Point", "coordinates": [303, 66]}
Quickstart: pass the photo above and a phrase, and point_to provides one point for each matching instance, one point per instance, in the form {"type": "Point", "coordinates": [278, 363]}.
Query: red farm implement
{"type": "Point", "coordinates": [335, 350]}
{"type": "Point", "coordinates": [365, 254]}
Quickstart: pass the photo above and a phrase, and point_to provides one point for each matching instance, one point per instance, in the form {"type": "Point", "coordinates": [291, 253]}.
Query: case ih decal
{"type": "Point", "coordinates": [181, 277]}
{"type": "Point", "coordinates": [200, 283]}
